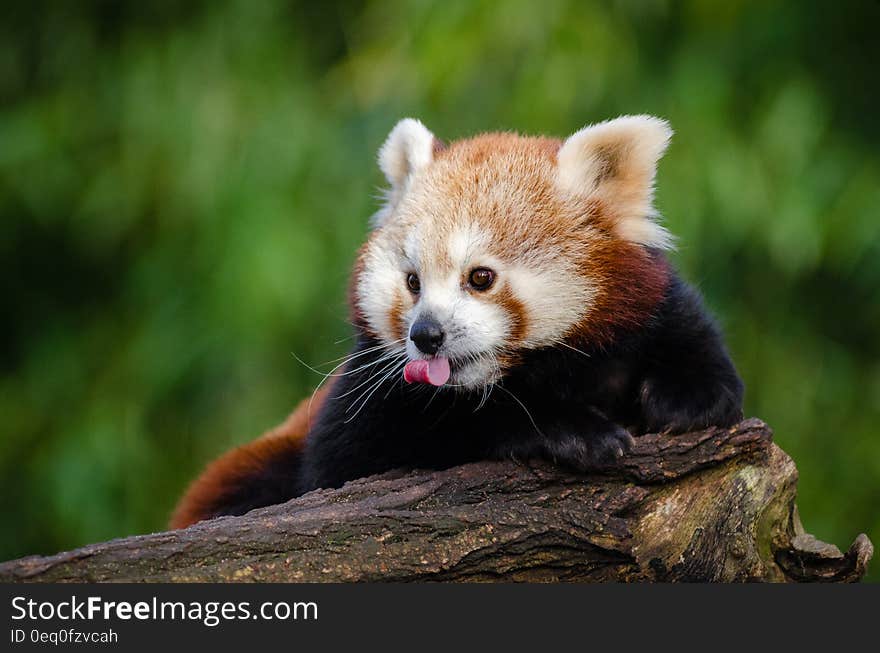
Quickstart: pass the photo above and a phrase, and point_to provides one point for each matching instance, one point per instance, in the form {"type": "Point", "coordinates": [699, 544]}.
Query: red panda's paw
{"type": "Point", "coordinates": [670, 410]}
{"type": "Point", "coordinates": [608, 447]}
{"type": "Point", "coordinates": [591, 451]}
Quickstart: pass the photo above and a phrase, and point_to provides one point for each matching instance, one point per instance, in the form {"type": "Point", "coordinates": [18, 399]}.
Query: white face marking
{"type": "Point", "coordinates": [466, 245]}
{"type": "Point", "coordinates": [378, 287]}
{"type": "Point", "coordinates": [554, 298]}
{"type": "Point", "coordinates": [412, 248]}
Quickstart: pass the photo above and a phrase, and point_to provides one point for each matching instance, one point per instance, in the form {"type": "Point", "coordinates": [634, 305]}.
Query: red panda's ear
{"type": "Point", "coordinates": [616, 161]}
{"type": "Point", "coordinates": [408, 149]}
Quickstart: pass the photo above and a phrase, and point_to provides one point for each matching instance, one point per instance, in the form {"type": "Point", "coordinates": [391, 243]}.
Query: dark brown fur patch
{"type": "Point", "coordinates": [395, 316]}
{"type": "Point", "coordinates": [516, 313]}
{"type": "Point", "coordinates": [609, 157]}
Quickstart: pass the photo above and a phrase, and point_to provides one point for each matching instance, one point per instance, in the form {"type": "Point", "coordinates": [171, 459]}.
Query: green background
{"type": "Point", "coordinates": [182, 191]}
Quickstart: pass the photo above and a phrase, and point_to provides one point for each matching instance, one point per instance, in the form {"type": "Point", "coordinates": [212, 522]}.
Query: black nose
{"type": "Point", "coordinates": [427, 335]}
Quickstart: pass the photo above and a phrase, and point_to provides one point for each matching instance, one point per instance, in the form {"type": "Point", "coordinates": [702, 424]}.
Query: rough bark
{"type": "Point", "coordinates": [714, 505]}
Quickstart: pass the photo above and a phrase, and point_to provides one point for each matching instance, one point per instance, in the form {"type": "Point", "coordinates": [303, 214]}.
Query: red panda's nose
{"type": "Point", "coordinates": [427, 334]}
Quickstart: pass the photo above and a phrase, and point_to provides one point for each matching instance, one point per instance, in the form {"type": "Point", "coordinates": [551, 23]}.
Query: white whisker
{"type": "Point", "coordinates": [364, 352]}
{"type": "Point", "coordinates": [531, 419]}
{"type": "Point", "coordinates": [565, 344]}
{"type": "Point", "coordinates": [433, 395]}
{"type": "Point", "coordinates": [391, 372]}
{"type": "Point", "coordinates": [345, 359]}
{"type": "Point", "coordinates": [391, 356]}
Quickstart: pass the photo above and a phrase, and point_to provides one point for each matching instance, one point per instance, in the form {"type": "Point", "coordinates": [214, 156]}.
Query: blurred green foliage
{"type": "Point", "coordinates": [183, 187]}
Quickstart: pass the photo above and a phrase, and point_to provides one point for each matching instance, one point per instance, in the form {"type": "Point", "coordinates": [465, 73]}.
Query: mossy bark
{"type": "Point", "coordinates": [714, 505]}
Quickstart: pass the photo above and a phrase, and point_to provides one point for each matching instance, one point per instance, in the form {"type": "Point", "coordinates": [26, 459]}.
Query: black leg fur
{"type": "Point", "coordinates": [689, 381]}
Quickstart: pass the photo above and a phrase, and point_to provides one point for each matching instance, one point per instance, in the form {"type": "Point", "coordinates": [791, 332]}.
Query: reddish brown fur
{"type": "Point", "coordinates": [475, 150]}
{"type": "Point", "coordinates": [242, 461]}
{"type": "Point", "coordinates": [396, 317]}
{"type": "Point", "coordinates": [631, 285]}
{"type": "Point", "coordinates": [516, 314]}
{"type": "Point", "coordinates": [527, 161]}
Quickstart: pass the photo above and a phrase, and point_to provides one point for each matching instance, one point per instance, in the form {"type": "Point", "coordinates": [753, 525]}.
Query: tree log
{"type": "Point", "coordinates": [713, 505]}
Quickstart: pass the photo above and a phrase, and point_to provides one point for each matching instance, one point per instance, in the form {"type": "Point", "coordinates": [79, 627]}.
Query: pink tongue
{"type": "Point", "coordinates": [434, 371]}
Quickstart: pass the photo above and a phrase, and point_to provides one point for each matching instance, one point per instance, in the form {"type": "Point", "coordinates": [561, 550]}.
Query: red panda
{"type": "Point", "coordinates": [513, 300]}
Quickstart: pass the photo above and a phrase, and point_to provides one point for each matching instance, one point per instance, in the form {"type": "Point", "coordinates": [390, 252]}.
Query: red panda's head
{"type": "Point", "coordinates": [492, 246]}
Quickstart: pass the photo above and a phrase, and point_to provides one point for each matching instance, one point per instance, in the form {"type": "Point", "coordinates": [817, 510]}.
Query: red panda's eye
{"type": "Point", "coordinates": [481, 278]}
{"type": "Point", "coordinates": [413, 283]}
